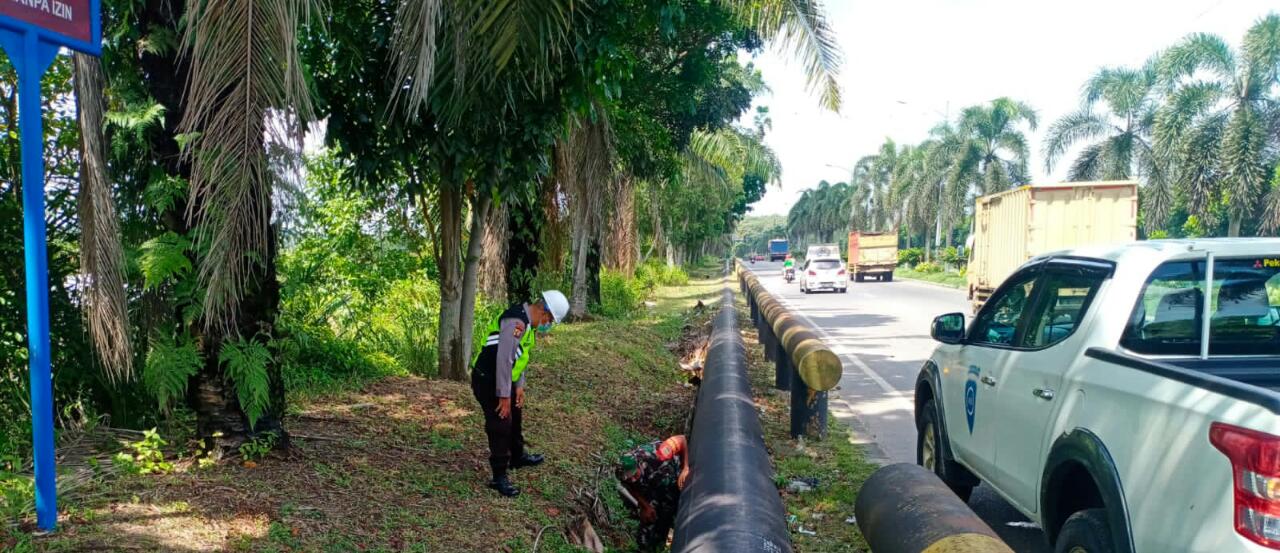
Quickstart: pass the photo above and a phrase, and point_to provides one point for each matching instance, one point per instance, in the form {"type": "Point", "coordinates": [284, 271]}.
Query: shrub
{"type": "Point", "coordinates": [928, 267]}
{"type": "Point", "coordinates": [951, 256]}
{"type": "Point", "coordinates": [404, 324]}
{"type": "Point", "coordinates": [619, 296]}
{"type": "Point", "coordinates": [909, 257]}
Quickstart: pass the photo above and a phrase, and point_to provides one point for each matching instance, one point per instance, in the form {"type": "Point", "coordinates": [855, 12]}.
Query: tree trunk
{"type": "Point", "coordinates": [621, 244]}
{"type": "Point", "coordinates": [581, 245]}
{"type": "Point", "coordinates": [492, 273]}
{"type": "Point", "coordinates": [593, 270]}
{"type": "Point", "coordinates": [479, 217]}
{"type": "Point", "coordinates": [449, 335]}
{"type": "Point", "coordinates": [1233, 225]}
{"type": "Point", "coordinates": [219, 418]}
{"type": "Point", "coordinates": [525, 227]}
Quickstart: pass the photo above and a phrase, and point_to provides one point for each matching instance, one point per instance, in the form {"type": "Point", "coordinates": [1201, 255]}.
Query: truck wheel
{"type": "Point", "coordinates": [888, 277]}
{"type": "Point", "coordinates": [1085, 532]}
{"type": "Point", "coordinates": [929, 440]}
{"type": "Point", "coordinates": [859, 277]}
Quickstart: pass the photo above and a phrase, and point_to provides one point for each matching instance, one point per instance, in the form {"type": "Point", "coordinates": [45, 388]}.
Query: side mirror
{"type": "Point", "coordinates": [949, 328]}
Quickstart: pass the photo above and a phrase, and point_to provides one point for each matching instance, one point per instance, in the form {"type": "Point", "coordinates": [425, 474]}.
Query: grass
{"type": "Point", "coordinates": [398, 463]}
{"type": "Point", "coordinates": [839, 465]}
{"type": "Point", "coordinates": [945, 278]}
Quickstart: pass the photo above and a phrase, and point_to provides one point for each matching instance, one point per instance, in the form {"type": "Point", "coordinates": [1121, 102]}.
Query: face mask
{"type": "Point", "coordinates": [544, 328]}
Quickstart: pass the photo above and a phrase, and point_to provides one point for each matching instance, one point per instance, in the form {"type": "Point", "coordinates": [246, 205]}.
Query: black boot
{"type": "Point", "coordinates": [527, 460]}
{"type": "Point", "coordinates": [504, 486]}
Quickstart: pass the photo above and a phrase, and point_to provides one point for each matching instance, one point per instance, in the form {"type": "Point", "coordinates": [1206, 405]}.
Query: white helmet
{"type": "Point", "coordinates": [556, 303]}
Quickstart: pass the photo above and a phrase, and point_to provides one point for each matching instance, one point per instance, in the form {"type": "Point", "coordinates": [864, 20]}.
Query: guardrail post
{"type": "Point", "coordinates": [782, 368]}
{"type": "Point", "coordinates": [808, 410]}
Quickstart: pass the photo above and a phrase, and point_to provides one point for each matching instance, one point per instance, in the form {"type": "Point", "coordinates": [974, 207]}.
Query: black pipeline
{"type": "Point", "coordinates": [803, 363]}
{"type": "Point", "coordinates": [730, 503]}
{"type": "Point", "coordinates": [904, 508]}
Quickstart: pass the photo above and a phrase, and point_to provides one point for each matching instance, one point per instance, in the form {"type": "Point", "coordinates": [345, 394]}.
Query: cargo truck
{"type": "Point", "coordinates": [873, 254]}
{"type": "Point", "coordinates": [1011, 227]}
{"type": "Point", "coordinates": [778, 249]}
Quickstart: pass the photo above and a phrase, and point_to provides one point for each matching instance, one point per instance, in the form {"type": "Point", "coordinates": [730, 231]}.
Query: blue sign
{"type": "Point", "coordinates": [971, 395]}
{"type": "Point", "coordinates": [31, 33]}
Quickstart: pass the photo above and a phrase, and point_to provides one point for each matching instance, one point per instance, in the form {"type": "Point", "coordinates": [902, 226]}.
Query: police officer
{"type": "Point", "coordinates": [497, 380]}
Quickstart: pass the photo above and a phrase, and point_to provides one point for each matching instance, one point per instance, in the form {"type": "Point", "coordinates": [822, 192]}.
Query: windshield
{"type": "Point", "coordinates": [826, 264]}
{"type": "Point", "coordinates": [1243, 314]}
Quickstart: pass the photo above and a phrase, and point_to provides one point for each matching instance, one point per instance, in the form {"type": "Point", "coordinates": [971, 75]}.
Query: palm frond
{"type": "Point", "coordinates": [413, 52]}
{"type": "Point", "coordinates": [801, 27]}
{"type": "Point", "coordinates": [102, 261]}
{"type": "Point", "coordinates": [1262, 54]}
{"type": "Point", "coordinates": [1070, 130]}
{"type": "Point", "coordinates": [245, 68]}
{"type": "Point", "coordinates": [1199, 51]}
{"type": "Point", "coordinates": [1271, 206]}
{"type": "Point", "coordinates": [1244, 143]}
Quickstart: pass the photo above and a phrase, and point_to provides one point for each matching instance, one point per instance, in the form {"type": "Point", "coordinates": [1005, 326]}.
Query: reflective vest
{"type": "Point", "coordinates": [489, 353]}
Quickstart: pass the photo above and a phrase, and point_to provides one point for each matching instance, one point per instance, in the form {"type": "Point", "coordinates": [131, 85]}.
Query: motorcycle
{"type": "Point", "coordinates": [790, 275]}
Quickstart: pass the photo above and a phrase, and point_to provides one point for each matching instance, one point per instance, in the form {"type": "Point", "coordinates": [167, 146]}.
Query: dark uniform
{"type": "Point", "coordinates": [655, 476]}
{"type": "Point", "coordinates": [498, 370]}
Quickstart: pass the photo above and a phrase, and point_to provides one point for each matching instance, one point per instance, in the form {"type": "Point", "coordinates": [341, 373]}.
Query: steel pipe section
{"type": "Point", "coordinates": [730, 503]}
{"type": "Point", "coordinates": [905, 508]}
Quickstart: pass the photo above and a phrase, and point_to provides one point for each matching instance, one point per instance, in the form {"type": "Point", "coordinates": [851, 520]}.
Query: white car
{"type": "Point", "coordinates": [1109, 400]}
{"type": "Point", "coordinates": [823, 273]}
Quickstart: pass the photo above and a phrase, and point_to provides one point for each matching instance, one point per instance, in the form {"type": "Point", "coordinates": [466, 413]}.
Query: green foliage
{"type": "Point", "coordinates": [259, 446]}
{"type": "Point", "coordinates": [927, 267]}
{"type": "Point", "coordinates": [169, 366]}
{"type": "Point", "coordinates": [910, 257]}
{"type": "Point", "coordinates": [654, 273]}
{"type": "Point", "coordinates": [1193, 227]}
{"type": "Point", "coordinates": [245, 364]}
{"type": "Point", "coordinates": [619, 296]}
{"type": "Point", "coordinates": [164, 259]}
{"type": "Point", "coordinates": [951, 256]}
{"type": "Point", "coordinates": [404, 324]}
{"type": "Point", "coordinates": [145, 456]}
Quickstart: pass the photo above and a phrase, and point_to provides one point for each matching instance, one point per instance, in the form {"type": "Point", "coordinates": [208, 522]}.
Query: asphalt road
{"type": "Point", "coordinates": [881, 332]}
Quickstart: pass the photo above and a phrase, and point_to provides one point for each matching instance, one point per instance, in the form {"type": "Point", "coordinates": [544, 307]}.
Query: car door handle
{"type": "Point", "coordinates": [988, 381]}
{"type": "Point", "coordinates": [1043, 393]}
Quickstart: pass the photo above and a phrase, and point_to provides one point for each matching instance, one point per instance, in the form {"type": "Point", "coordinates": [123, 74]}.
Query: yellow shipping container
{"type": "Point", "coordinates": [873, 254]}
{"type": "Point", "coordinates": [1011, 227]}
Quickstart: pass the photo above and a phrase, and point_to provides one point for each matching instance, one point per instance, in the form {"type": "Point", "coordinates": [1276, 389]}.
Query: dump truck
{"type": "Point", "coordinates": [873, 254]}
{"type": "Point", "coordinates": [778, 249]}
{"type": "Point", "coordinates": [1011, 227]}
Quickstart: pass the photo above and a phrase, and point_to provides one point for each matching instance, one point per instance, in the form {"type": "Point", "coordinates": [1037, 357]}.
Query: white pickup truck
{"type": "Point", "coordinates": [1108, 397]}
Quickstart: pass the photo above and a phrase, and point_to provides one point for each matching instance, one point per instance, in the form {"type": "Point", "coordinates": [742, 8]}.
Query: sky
{"type": "Point", "coordinates": [910, 63]}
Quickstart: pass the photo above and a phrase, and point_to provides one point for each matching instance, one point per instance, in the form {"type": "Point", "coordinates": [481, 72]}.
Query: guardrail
{"type": "Point", "coordinates": [730, 502]}
{"type": "Point", "coordinates": [905, 508]}
{"type": "Point", "coordinates": [802, 361]}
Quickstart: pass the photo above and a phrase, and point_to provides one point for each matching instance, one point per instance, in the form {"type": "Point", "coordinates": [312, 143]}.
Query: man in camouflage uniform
{"type": "Point", "coordinates": [654, 474]}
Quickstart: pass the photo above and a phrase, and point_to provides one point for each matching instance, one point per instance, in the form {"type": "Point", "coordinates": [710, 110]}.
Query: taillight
{"type": "Point", "coordinates": [1255, 467]}
{"type": "Point", "coordinates": [840, 272]}
{"type": "Point", "coordinates": [811, 273]}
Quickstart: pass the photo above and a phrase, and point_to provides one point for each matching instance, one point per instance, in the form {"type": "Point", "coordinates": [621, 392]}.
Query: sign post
{"type": "Point", "coordinates": [31, 33]}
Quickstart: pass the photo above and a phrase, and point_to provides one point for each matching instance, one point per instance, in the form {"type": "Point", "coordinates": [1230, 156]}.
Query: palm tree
{"type": "Point", "coordinates": [871, 180]}
{"type": "Point", "coordinates": [995, 154]}
{"type": "Point", "coordinates": [799, 26]}
{"type": "Point", "coordinates": [1119, 142]}
{"type": "Point", "coordinates": [1220, 122]}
